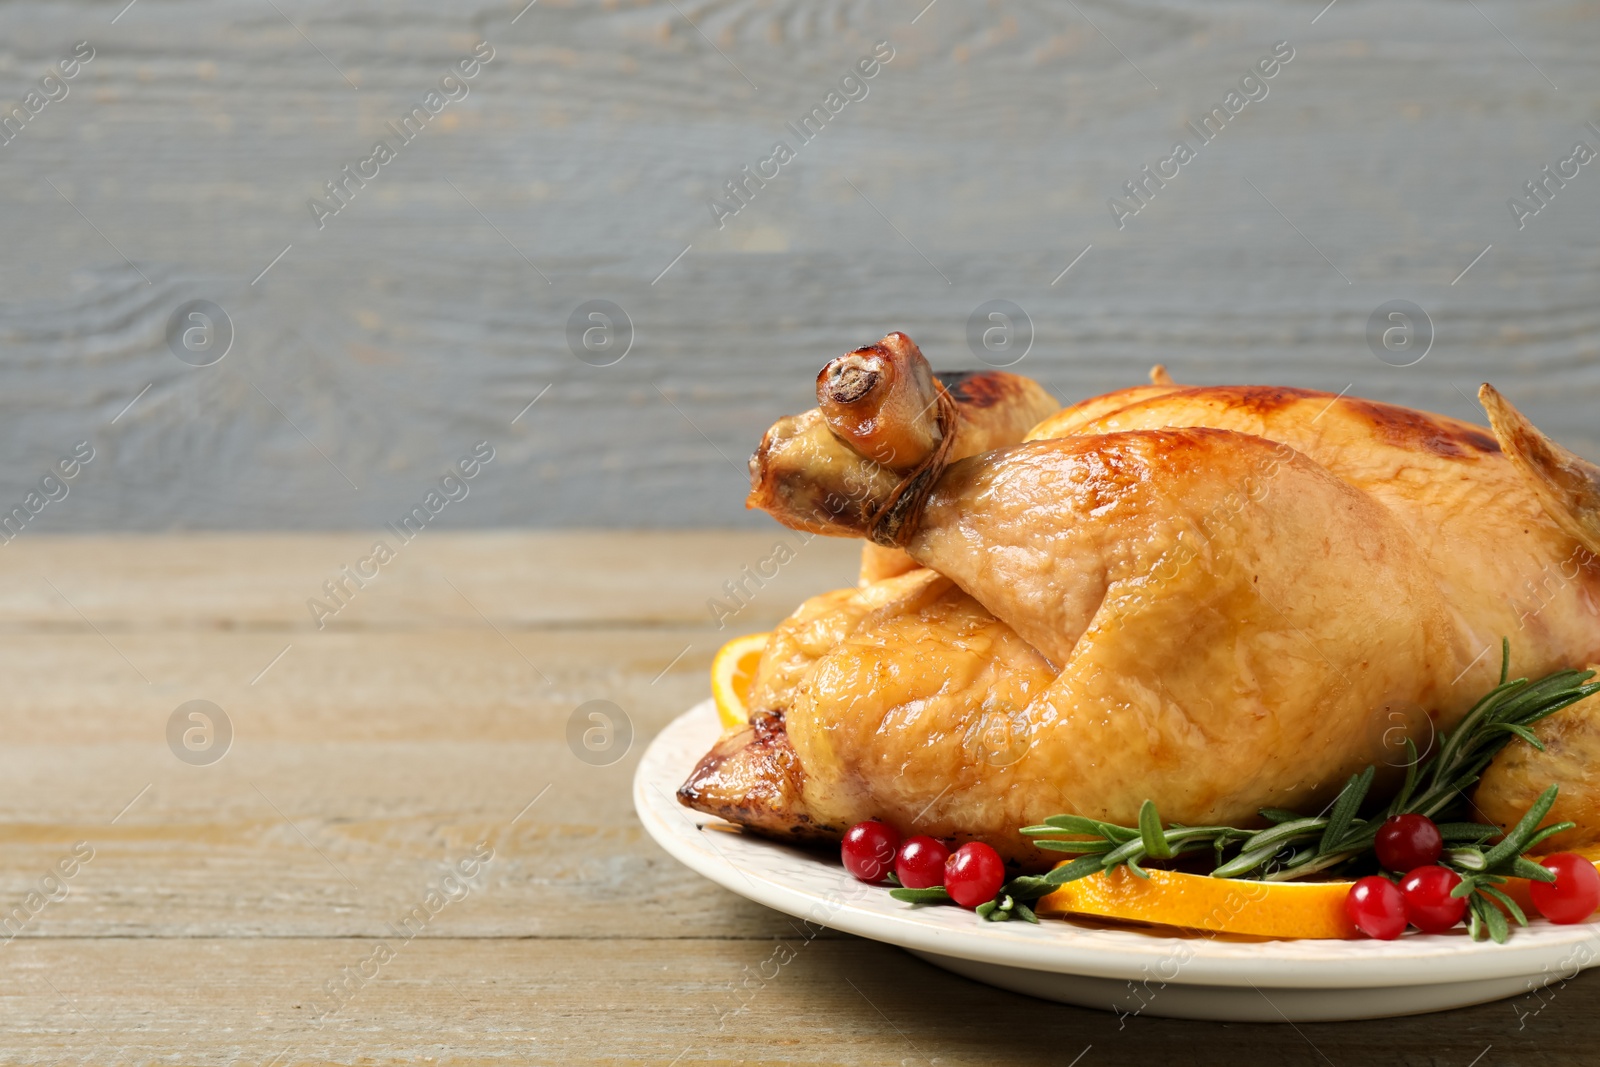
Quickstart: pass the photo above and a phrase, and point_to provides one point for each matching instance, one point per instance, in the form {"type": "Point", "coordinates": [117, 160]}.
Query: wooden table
{"type": "Point", "coordinates": [427, 723]}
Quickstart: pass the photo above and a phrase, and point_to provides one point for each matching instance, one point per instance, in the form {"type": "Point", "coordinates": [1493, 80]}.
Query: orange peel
{"type": "Point", "coordinates": [1200, 902]}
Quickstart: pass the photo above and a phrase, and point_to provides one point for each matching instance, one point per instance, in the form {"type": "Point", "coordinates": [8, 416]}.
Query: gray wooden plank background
{"type": "Point", "coordinates": [432, 309]}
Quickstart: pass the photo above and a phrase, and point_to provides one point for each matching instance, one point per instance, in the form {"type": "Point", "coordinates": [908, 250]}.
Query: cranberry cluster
{"type": "Point", "coordinates": [1409, 846]}
{"type": "Point", "coordinates": [972, 874]}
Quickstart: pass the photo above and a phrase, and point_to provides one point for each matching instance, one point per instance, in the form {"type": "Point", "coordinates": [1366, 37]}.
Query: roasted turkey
{"type": "Point", "coordinates": [1219, 598]}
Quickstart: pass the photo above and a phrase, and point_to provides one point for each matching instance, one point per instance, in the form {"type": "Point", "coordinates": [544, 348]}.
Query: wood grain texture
{"type": "Point", "coordinates": [645, 1002]}
{"type": "Point", "coordinates": [424, 317]}
{"type": "Point", "coordinates": [569, 580]}
{"type": "Point", "coordinates": [221, 901]}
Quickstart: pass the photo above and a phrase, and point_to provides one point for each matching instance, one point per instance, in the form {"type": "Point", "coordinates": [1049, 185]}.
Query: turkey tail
{"type": "Point", "coordinates": [1566, 484]}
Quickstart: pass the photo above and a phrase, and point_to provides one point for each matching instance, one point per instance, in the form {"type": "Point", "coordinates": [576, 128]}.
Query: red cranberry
{"type": "Point", "coordinates": [920, 863]}
{"type": "Point", "coordinates": [868, 850]}
{"type": "Point", "coordinates": [1406, 842]}
{"type": "Point", "coordinates": [1376, 907]}
{"type": "Point", "coordinates": [973, 874]}
{"type": "Point", "coordinates": [1575, 893]}
{"type": "Point", "coordinates": [1429, 905]}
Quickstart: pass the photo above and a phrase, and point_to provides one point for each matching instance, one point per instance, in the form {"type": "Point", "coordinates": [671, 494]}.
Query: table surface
{"type": "Point", "coordinates": [245, 909]}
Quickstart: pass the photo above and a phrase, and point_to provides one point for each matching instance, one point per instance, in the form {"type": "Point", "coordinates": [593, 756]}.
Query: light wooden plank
{"type": "Point", "coordinates": [518, 579]}
{"type": "Point", "coordinates": [342, 839]}
{"type": "Point", "coordinates": [375, 757]}
{"type": "Point", "coordinates": [652, 1002]}
{"type": "Point", "coordinates": [460, 684]}
{"type": "Point", "coordinates": [365, 757]}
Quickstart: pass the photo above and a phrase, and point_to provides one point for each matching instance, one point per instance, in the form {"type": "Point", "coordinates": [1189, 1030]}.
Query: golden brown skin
{"type": "Point", "coordinates": [1571, 759]}
{"type": "Point", "coordinates": [1566, 484]}
{"type": "Point", "coordinates": [1214, 598]}
{"type": "Point", "coordinates": [932, 653]}
{"type": "Point", "coordinates": [752, 777]}
{"type": "Point", "coordinates": [1569, 488]}
{"type": "Point", "coordinates": [879, 562]}
{"type": "Point", "coordinates": [1473, 514]}
{"type": "Point", "coordinates": [996, 409]}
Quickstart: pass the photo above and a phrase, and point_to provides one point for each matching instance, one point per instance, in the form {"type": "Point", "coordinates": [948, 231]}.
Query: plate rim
{"type": "Point", "coordinates": [1413, 960]}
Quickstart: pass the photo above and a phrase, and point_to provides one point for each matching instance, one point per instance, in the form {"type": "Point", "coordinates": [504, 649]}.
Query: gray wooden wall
{"type": "Point", "coordinates": [426, 314]}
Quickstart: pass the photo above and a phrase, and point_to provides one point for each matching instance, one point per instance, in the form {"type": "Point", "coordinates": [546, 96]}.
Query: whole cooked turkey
{"type": "Point", "coordinates": [1218, 598]}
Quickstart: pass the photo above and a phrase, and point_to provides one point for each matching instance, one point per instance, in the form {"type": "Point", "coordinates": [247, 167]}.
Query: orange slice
{"type": "Point", "coordinates": [1228, 905]}
{"type": "Point", "coordinates": [732, 671]}
{"type": "Point", "coordinates": [1200, 902]}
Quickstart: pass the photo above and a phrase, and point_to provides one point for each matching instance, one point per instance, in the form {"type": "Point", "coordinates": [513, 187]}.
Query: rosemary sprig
{"type": "Point", "coordinates": [1296, 845]}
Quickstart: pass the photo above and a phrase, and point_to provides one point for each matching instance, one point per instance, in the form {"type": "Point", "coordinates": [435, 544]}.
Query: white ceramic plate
{"type": "Point", "coordinates": [1118, 970]}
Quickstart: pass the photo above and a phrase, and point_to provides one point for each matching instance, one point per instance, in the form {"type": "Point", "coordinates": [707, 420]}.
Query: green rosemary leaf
{"type": "Point", "coordinates": [1154, 841]}
{"type": "Point", "coordinates": [1078, 824]}
{"type": "Point", "coordinates": [1077, 846]}
{"type": "Point", "coordinates": [1528, 697]}
{"type": "Point", "coordinates": [935, 895]}
{"type": "Point", "coordinates": [986, 909]}
{"type": "Point", "coordinates": [1510, 905]}
{"type": "Point", "coordinates": [1128, 853]}
{"type": "Point", "coordinates": [1081, 867]}
{"type": "Point", "coordinates": [1474, 922]}
{"type": "Point", "coordinates": [1520, 731]}
{"type": "Point", "coordinates": [1547, 832]}
{"type": "Point", "coordinates": [1533, 872]}
{"type": "Point", "coordinates": [1245, 862]}
{"type": "Point", "coordinates": [1133, 865]}
{"type": "Point", "coordinates": [1409, 787]}
{"type": "Point", "coordinates": [1289, 873]}
{"type": "Point", "coordinates": [1470, 859]}
{"type": "Point", "coordinates": [1029, 887]}
{"type": "Point", "coordinates": [1495, 920]}
{"type": "Point", "coordinates": [1467, 831]}
{"type": "Point", "coordinates": [1276, 837]}
{"type": "Point", "coordinates": [1505, 658]}
{"type": "Point", "coordinates": [1344, 808]}
{"type": "Point", "coordinates": [1524, 699]}
{"type": "Point", "coordinates": [1540, 700]}
{"type": "Point", "coordinates": [1205, 834]}
{"type": "Point", "coordinates": [1071, 847]}
{"type": "Point", "coordinates": [1437, 798]}
{"type": "Point", "coordinates": [1025, 913]}
{"type": "Point", "coordinates": [1277, 815]}
{"type": "Point", "coordinates": [1514, 842]}
{"type": "Point", "coordinates": [1454, 750]}
{"type": "Point", "coordinates": [1072, 824]}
